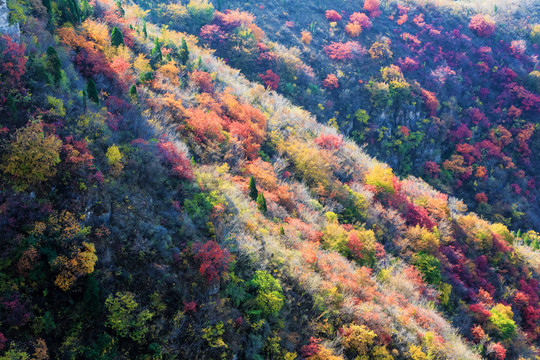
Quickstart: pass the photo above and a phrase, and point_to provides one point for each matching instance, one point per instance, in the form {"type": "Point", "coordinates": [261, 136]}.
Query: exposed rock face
{"type": "Point", "coordinates": [5, 28]}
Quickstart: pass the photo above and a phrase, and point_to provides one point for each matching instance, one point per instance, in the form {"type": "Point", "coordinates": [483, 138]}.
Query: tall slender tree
{"type": "Point", "coordinates": [117, 38]}
{"type": "Point", "coordinates": [91, 89]}
{"type": "Point", "coordinates": [253, 192]}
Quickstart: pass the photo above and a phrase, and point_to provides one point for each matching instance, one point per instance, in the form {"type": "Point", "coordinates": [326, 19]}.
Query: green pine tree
{"type": "Point", "coordinates": [92, 92]}
{"type": "Point", "coordinates": [86, 10]}
{"type": "Point", "coordinates": [116, 37]}
{"type": "Point", "coordinates": [184, 52]}
{"type": "Point", "coordinates": [261, 203]}
{"type": "Point", "coordinates": [120, 9]}
{"type": "Point", "coordinates": [253, 192]}
{"type": "Point", "coordinates": [144, 30]}
{"type": "Point", "coordinates": [281, 230]}
{"type": "Point", "coordinates": [156, 51]}
{"type": "Point", "coordinates": [53, 65]}
{"type": "Point", "coordinates": [133, 92]}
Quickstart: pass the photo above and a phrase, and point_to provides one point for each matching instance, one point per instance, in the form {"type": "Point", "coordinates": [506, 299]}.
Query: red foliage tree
{"type": "Point", "coordinates": [180, 165]}
{"type": "Point", "coordinates": [481, 198]}
{"type": "Point", "coordinates": [430, 102]}
{"type": "Point", "coordinates": [205, 126]}
{"type": "Point", "coordinates": [344, 51]}
{"type": "Point", "coordinates": [432, 168]}
{"type": "Point", "coordinates": [482, 25]}
{"type": "Point", "coordinates": [329, 142]}
{"type": "Point", "coordinates": [498, 351]}
{"type": "Point", "coordinates": [271, 79]}
{"type": "Point", "coordinates": [214, 261]}
{"type": "Point", "coordinates": [213, 34]}
{"type": "Point", "coordinates": [361, 19]}
{"type": "Point", "coordinates": [461, 133]}
{"type": "Point", "coordinates": [331, 82]}
{"type": "Point", "coordinates": [12, 64]}
{"type": "Point", "coordinates": [408, 64]}
{"type": "Point", "coordinates": [372, 6]}
{"type": "Point", "coordinates": [332, 15]}
{"type": "Point", "coordinates": [312, 348]}
{"type": "Point", "coordinates": [203, 80]}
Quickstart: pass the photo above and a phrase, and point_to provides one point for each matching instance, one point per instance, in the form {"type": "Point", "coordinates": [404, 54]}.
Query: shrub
{"type": "Point", "coordinates": [32, 156]}
{"type": "Point", "coordinates": [482, 25]}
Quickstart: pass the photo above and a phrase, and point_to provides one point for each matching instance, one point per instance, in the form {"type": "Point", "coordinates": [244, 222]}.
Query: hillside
{"type": "Point", "coordinates": [430, 92]}
{"type": "Point", "coordinates": [157, 203]}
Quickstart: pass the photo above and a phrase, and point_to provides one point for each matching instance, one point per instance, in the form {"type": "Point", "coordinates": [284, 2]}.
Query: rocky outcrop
{"type": "Point", "coordinates": [5, 28]}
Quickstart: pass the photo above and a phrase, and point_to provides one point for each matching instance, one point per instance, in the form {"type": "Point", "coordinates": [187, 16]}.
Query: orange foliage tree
{"type": "Point", "coordinates": [331, 82]}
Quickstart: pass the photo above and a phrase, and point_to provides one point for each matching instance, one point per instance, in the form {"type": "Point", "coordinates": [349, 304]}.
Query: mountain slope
{"type": "Point", "coordinates": [118, 246]}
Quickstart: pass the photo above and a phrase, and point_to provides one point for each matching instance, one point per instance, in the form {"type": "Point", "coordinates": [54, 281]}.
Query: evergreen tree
{"type": "Point", "coordinates": [53, 65]}
{"type": "Point", "coordinates": [156, 51]}
{"type": "Point", "coordinates": [116, 37]}
{"type": "Point", "coordinates": [184, 52]}
{"type": "Point", "coordinates": [253, 192]}
{"type": "Point", "coordinates": [144, 30]}
{"type": "Point", "coordinates": [47, 4]}
{"type": "Point", "coordinates": [281, 230]}
{"type": "Point", "coordinates": [69, 10]}
{"type": "Point", "coordinates": [86, 10]}
{"type": "Point", "coordinates": [133, 91]}
{"type": "Point", "coordinates": [120, 9]}
{"type": "Point", "coordinates": [92, 91]}
{"type": "Point", "coordinates": [261, 203]}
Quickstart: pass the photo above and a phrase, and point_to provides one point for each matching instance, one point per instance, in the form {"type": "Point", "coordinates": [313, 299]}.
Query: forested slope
{"type": "Point", "coordinates": [156, 204]}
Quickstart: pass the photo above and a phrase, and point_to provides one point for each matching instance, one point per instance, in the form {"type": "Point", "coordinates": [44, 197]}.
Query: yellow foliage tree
{"type": "Point", "coordinates": [114, 158]}
{"type": "Point", "coordinates": [80, 264]}
{"type": "Point", "coordinates": [357, 338]}
{"type": "Point", "coordinates": [381, 177]}
{"type": "Point", "coordinates": [32, 156]}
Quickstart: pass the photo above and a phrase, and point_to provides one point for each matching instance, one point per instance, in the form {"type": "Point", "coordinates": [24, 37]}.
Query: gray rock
{"type": "Point", "coordinates": [5, 28]}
